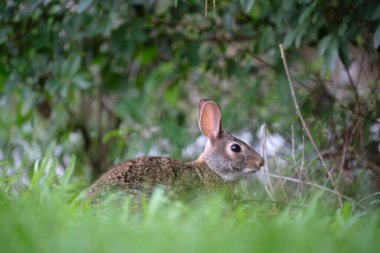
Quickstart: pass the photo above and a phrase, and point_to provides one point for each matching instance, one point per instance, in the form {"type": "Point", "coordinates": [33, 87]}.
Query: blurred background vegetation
{"type": "Point", "coordinates": [86, 84]}
{"type": "Point", "coordinates": [109, 80]}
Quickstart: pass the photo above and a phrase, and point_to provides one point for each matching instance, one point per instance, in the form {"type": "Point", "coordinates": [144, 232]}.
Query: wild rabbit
{"type": "Point", "coordinates": [224, 159]}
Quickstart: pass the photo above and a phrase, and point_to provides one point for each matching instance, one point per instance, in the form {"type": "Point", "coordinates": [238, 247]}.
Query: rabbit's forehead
{"type": "Point", "coordinates": [229, 138]}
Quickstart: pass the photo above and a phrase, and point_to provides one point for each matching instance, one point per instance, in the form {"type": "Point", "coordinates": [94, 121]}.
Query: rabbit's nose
{"type": "Point", "coordinates": [260, 163]}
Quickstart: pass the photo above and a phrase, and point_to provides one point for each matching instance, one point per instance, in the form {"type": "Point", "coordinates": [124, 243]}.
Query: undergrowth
{"type": "Point", "coordinates": [49, 215]}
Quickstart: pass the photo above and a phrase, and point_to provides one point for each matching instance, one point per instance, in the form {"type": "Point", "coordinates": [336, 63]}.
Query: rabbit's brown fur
{"type": "Point", "coordinates": [220, 162]}
{"type": "Point", "coordinates": [135, 174]}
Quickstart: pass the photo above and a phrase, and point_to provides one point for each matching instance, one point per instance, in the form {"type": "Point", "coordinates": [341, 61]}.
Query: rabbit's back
{"type": "Point", "coordinates": [143, 172]}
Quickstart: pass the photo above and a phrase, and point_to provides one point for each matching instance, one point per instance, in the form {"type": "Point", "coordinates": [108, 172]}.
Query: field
{"type": "Point", "coordinates": [50, 215]}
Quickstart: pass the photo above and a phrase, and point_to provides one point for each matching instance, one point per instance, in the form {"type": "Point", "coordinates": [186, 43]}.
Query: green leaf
{"type": "Point", "coordinates": [288, 40]}
{"type": "Point", "coordinates": [343, 54]}
{"type": "Point", "coordinates": [68, 172]}
{"type": "Point", "coordinates": [376, 37]}
{"type": "Point", "coordinates": [156, 202]}
{"type": "Point", "coordinates": [306, 14]}
{"type": "Point", "coordinates": [247, 5]}
{"type": "Point", "coordinates": [81, 83]}
{"type": "Point", "coordinates": [304, 1]}
{"type": "Point", "coordinates": [112, 134]}
{"type": "Point", "coordinates": [376, 13]}
{"type": "Point", "coordinates": [5, 32]}
{"type": "Point", "coordinates": [324, 44]}
{"type": "Point", "coordinates": [298, 39]}
{"type": "Point", "coordinates": [40, 168]}
{"type": "Point", "coordinates": [346, 210]}
{"type": "Point", "coordinates": [73, 66]}
{"type": "Point", "coordinates": [171, 95]}
{"type": "Point", "coordinates": [4, 163]}
{"type": "Point", "coordinates": [328, 48]}
{"type": "Point", "coordinates": [51, 173]}
{"type": "Point", "coordinates": [83, 4]}
{"type": "Point", "coordinates": [147, 55]}
{"type": "Point", "coordinates": [330, 57]}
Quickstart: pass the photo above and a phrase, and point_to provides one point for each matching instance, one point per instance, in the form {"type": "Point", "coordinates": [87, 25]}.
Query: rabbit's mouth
{"type": "Point", "coordinates": [237, 173]}
{"type": "Point", "coordinates": [250, 170]}
{"type": "Point", "coordinates": [245, 170]}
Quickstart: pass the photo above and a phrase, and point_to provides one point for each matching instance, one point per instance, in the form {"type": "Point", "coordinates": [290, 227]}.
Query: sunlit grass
{"type": "Point", "coordinates": [49, 215]}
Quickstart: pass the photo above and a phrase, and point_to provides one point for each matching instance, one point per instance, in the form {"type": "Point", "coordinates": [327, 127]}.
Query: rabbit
{"type": "Point", "coordinates": [224, 159]}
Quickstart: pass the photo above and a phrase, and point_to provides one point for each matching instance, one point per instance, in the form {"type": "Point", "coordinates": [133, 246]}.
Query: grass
{"type": "Point", "coordinates": [48, 215]}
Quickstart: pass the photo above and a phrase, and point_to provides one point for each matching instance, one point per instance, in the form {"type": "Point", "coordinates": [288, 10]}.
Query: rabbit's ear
{"type": "Point", "coordinates": [209, 120]}
{"type": "Point", "coordinates": [201, 103]}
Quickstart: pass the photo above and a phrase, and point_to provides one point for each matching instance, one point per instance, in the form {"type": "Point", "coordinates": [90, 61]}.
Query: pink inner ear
{"type": "Point", "coordinates": [201, 103]}
{"type": "Point", "coordinates": [210, 120]}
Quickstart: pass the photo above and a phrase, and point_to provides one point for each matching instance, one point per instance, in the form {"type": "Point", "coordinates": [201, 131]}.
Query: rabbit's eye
{"type": "Point", "coordinates": [235, 148]}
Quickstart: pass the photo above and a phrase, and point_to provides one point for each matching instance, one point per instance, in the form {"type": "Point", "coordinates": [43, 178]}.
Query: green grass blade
{"type": "Point", "coordinates": [4, 163]}
{"type": "Point", "coordinates": [40, 168]}
{"type": "Point", "coordinates": [50, 176]}
{"type": "Point", "coordinates": [69, 171]}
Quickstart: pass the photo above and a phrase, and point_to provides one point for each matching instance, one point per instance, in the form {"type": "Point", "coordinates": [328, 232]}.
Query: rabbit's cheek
{"type": "Point", "coordinates": [238, 163]}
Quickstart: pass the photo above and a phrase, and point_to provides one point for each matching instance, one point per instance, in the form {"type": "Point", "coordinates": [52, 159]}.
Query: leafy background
{"type": "Point", "coordinates": [100, 82]}
{"type": "Point", "coordinates": [108, 80]}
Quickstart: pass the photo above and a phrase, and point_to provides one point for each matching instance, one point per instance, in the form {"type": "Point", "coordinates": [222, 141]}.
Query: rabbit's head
{"type": "Point", "coordinates": [226, 155]}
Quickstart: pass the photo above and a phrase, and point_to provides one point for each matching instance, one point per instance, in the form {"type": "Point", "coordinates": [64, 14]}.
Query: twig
{"type": "Point", "coordinates": [358, 114]}
{"type": "Point", "coordinates": [295, 180]}
{"type": "Point", "coordinates": [268, 187]}
{"type": "Point", "coordinates": [369, 196]}
{"type": "Point", "coordinates": [344, 151]}
{"type": "Point", "coordinates": [228, 39]}
{"type": "Point", "coordinates": [110, 105]}
{"type": "Point", "coordinates": [206, 7]}
{"type": "Point", "coordinates": [354, 88]}
{"type": "Point", "coordinates": [299, 170]}
{"type": "Point", "coordinates": [271, 202]}
{"type": "Point", "coordinates": [281, 182]}
{"type": "Point", "coordinates": [337, 193]}
{"type": "Point", "coordinates": [213, 8]}
{"type": "Point", "coordinates": [293, 153]}
{"type": "Point", "coordinates": [348, 140]}
{"type": "Point", "coordinates": [361, 67]}
{"type": "Point", "coordinates": [298, 112]}
{"type": "Point", "coordinates": [264, 153]}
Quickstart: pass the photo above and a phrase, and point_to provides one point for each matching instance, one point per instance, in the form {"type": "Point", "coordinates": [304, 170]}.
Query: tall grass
{"type": "Point", "coordinates": [49, 215]}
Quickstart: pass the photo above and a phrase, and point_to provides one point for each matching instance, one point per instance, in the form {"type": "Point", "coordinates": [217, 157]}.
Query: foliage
{"type": "Point", "coordinates": [51, 213]}
{"type": "Point", "coordinates": [108, 80]}
{"type": "Point", "coordinates": [85, 84]}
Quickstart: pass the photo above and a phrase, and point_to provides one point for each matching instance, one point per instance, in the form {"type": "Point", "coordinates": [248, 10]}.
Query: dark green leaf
{"type": "Point", "coordinates": [247, 5]}
{"type": "Point", "coordinates": [324, 44]}
{"type": "Point", "coordinates": [376, 13]}
{"type": "Point", "coordinates": [344, 54]}
{"type": "Point", "coordinates": [73, 66]}
{"type": "Point", "coordinates": [83, 4]}
{"type": "Point", "coordinates": [81, 83]}
{"type": "Point", "coordinates": [306, 13]}
{"type": "Point", "coordinates": [376, 37]}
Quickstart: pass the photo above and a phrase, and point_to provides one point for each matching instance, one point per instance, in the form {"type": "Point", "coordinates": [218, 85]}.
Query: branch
{"type": "Point", "coordinates": [304, 125]}
{"type": "Point", "coordinates": [337, 193]}
{"type": "Point", "coordinates": [265, 168]}
{"type": "Point", "coordinates": [369, 196]}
